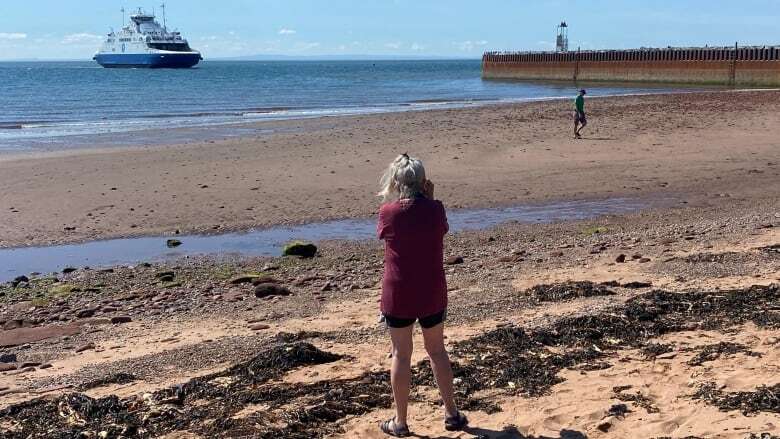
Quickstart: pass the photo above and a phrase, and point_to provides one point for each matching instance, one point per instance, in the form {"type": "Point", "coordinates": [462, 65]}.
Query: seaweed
{"type": "Point", "coordinates": [715, 351]}
{"type": "Point", "coordinates": [509, 359]}
{"type": "Point", "coordinates": [568, 291]}
{"type": "Point", "coordinates": [763, 399]}
{"type": "Point", "coordinates": [118, 378]}
{"type": "Point", "coordinates": [653, 350]}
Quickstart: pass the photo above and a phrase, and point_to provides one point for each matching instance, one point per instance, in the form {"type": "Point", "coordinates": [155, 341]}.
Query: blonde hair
{"type": "Point", "coordinates": [404, 178]}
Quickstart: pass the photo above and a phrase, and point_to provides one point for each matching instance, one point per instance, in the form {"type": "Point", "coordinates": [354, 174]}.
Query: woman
{"type": "Point", "coordinates": [413, 224]}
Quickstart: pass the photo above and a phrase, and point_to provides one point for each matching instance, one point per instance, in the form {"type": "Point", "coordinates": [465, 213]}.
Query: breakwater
{"type": "Point", "coordinates": [734, 66]}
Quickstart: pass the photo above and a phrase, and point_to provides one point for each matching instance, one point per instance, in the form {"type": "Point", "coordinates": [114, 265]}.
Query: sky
{"type": "Point", "coordinates": [74, 29]}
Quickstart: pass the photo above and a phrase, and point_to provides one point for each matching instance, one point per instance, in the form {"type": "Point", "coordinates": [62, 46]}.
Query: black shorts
{"type": "Point", "coordinates": [580, 117]}
{"type": "Point", "coordinates": [426, 322]}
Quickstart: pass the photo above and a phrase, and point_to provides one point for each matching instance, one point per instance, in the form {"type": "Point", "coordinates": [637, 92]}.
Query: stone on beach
{"type": "Point", "coordinates": [173, 243]}
{"type": "Point", "coordinates": [270, 289]}
{"type": "Point", "coordinates": [302, 249]}
{"type": "Point", "coordinates": [22, 336]}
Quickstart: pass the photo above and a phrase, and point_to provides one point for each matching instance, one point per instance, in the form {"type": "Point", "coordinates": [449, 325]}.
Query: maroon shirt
{"type": "Point", "coordinates": [414, 285]}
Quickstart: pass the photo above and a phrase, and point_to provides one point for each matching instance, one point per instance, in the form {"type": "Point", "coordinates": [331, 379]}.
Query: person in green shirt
{"type": "Point", "coordinates": [580, 121]}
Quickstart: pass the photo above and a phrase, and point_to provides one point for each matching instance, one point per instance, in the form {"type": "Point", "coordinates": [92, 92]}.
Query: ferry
{"type": "Point", "coordinates": [145, 43]}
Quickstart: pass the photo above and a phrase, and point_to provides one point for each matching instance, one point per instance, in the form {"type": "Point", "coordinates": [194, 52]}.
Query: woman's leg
{"type": "Point", "coordinates": [400, 373]}
{"type": "Point", "coordinates": [442, 369]}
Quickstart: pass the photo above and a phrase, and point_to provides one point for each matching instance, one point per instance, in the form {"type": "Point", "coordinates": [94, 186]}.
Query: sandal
{"type": "Point", "coordinates": [390, 428]}
{"type": "Point", "coordinates": [456, 423]}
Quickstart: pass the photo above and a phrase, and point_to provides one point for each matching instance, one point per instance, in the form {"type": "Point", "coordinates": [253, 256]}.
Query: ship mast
{"type": "Point", "coordinates": [165, 26]}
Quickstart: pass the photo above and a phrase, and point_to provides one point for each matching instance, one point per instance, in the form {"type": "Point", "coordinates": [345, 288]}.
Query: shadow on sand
{"type": "Point", "coordinates": [511, 432]}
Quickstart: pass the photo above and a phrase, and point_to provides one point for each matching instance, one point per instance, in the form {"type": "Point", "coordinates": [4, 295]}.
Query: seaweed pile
{"type": "Point", "coordinates": [715, 351]}
{"type": "Point", "coordinates": [568, 291]}
{"type": "Point", "coordinates": [763, 399]}
{"type": "Point", "coordinates": [653, 350]}
{"type": "Point", "coordinates": [247, 400]}
{"type": "Point", "coordinates": [521, 362]}
{"type": "Point", "coordinates": [204, 405]}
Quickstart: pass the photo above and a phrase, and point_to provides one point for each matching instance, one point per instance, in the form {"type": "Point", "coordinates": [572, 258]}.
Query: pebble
{"type": "Point", "coordinates": [620, 259]}
{"type": "Point", "coordinates": [84, 313]}
{"type": "Point", "coordinates": [5, 367]}
{"type": "Point", "coordinates": [259, 327]}
{"type": "Point", "coordinates": [86, 347]}
{"type": "Point", "coordinates": [454, 260]}
{"type": "Point", "coordinates": [118, 320]}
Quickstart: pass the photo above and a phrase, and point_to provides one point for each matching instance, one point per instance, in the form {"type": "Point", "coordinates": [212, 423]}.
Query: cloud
{"type": "Point", "coordinates": [12, 36]}
{"type": "Point", "coordinates": [82, 38]}
{"type": "Point", "coordinates": [285, 31]}
{"type": "Point", "coordinates": [468, 46]}
{"type": "Point", "coordinates": [394, 46]}
{"type": "Point", "coordinates": [417, 47]}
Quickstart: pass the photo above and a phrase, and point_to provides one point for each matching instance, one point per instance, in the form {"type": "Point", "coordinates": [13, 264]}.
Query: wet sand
{"type": "Point", "coordinates": [601, 351]}
{"type": "Point", "coordinates": [701, 145]}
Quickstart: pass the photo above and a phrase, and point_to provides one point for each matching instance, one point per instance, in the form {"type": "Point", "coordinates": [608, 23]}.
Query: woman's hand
{"type": "Point", "coordinates": [428, 189]}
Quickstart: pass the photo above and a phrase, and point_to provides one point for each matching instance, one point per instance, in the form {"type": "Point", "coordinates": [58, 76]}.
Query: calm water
{"type": "Point", "coordinates": [269, 242]}
{"type": "Point", "coordinates": [52, 105]}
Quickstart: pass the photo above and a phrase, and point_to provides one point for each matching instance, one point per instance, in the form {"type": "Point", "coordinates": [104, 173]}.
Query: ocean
{"type": "Point", "coordinates": [60, 105]}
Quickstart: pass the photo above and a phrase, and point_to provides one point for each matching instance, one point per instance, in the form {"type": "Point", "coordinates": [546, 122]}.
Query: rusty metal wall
{"type": "Point", "coordinates": [740, 67]}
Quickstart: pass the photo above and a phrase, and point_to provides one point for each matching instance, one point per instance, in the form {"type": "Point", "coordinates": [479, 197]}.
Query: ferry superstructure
{"type": "Point", "coordinates": [145, 43]}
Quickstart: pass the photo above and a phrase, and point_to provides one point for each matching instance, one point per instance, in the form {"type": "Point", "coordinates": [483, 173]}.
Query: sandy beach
{"type": "Point", "coordinates": [663, 323]}
{"type": "Point", "coordinates": [700, 145]}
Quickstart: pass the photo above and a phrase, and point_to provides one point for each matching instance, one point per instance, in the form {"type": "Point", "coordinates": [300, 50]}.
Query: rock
{"type": "Point", "coordinates": [173, 243]}
{"type": "Point", "coordinates": [22, 336]}
{"type": "Point", "coordinates": [511, 258]}
{"type": "Point", "coordinates": [160, 274]}
{"type": "Point", "coordinates": [771, 341]}
{"type": "Point", "coordinates": [620, 259]}
{"type": "Point", "coordinates": [86, 347]}
{"type": "Point", "coordinates": [302, 249]}
{"type": "Point", "coordinates": [557, 254]}
{"type": "Point", "coordinates": [118, 320]}
{"type": "Point", "coordinates": [19, 279]}
{"type": "Point", "coordinates": [29, 364]}
{"type": "Point", "coordinates": [45, 366]}
{"type": "Point", "coordinates": [85, 313]}
{"type": "Point", "coordinates": [644, 260]}
{"type": "Point", "coordinates": [67, 270]}
{"type": "Point", "coordinates": [8, 358]}
{"type": "Point", "coordinates": [5, 367]}
{"type": "Point", "coordinates": [454, 260]}
{"type": "Point", "coordinates": [258, 326]}
{"type": "Point", "coordinates": [109, 309]}
{"type": "Point", "coordinates": [604, 426]}
{"type": "Point", "coordinates": [636, 256]}
{"type": "Point", "coordinates": [166, 279]}
{"type": "Point", "coordinates": [269, 289]}
{"type": "Point", "coordinates": [265, 280]}
{"type": "Point", "coordinates": [12, 324]}
{"type": "Point", "coordinates": [637, 285]}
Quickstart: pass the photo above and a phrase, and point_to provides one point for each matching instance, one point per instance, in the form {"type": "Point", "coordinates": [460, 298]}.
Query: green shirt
{"type": "Point", "coordinates": [580, 104]}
